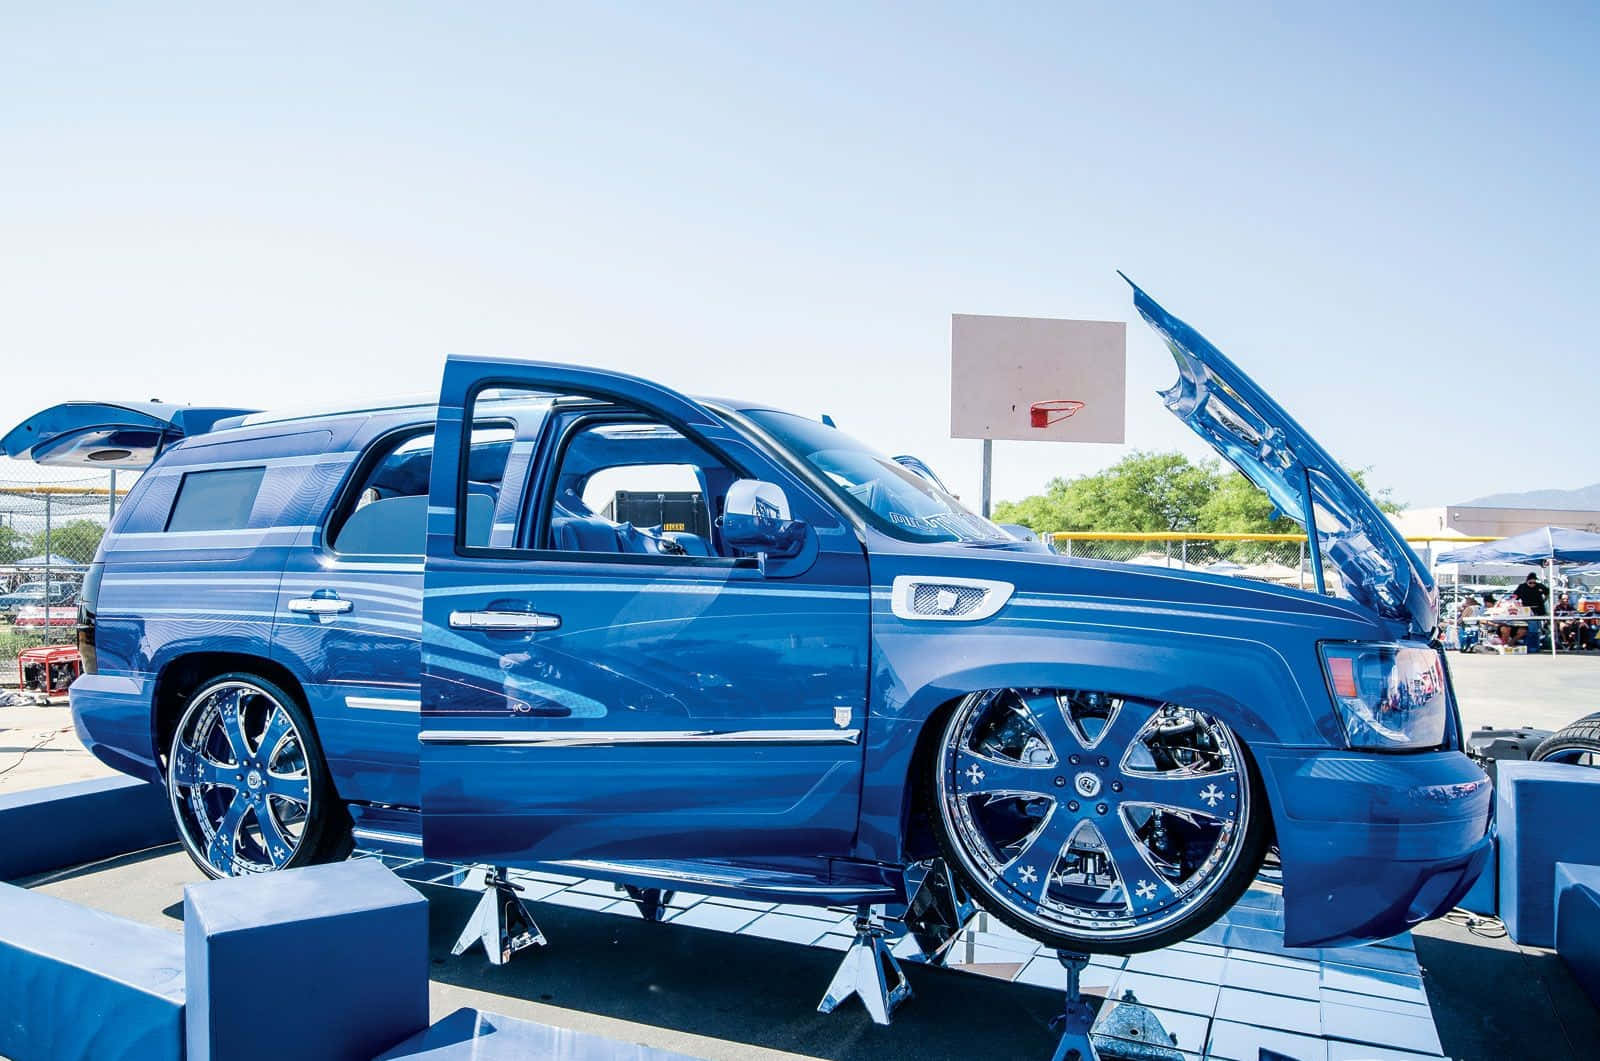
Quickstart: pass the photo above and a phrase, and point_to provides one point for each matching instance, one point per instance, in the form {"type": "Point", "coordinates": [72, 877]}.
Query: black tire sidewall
{"type": "Point", "coordinates": [1580, 736]}
{"type": "Point", "coordinates": [326, 833]}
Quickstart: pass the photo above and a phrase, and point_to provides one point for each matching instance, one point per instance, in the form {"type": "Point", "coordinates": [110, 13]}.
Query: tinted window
{"type": "Point", "coordinates": [219, 500]}
{"type": "Point", "coordinates": [389, 514]}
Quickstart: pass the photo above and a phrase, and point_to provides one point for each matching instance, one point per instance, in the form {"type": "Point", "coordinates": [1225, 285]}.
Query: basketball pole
{"type": "Point", "coordinates": [988, 474]}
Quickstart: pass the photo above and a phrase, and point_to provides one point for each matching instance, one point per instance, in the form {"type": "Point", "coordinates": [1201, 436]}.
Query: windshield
{"type": "Point", "coordinates": [891, 497]}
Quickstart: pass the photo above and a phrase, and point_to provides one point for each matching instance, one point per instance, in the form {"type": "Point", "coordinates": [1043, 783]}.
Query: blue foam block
{"type": "Point", "coordinates": [327, 962]}
{"type": "Point", "coordinates": [78, 983]}
{"type": "Point", "coordinates": [1577, 899]}
{"type": "Point", "coordinates": [1544, 812]}
{"type": "Point", "coordinates": [65, 825]}
{"type": "Point", "coordinates": [469, 1035]}
{"type": "Point", "coordinates": [1481, 897]}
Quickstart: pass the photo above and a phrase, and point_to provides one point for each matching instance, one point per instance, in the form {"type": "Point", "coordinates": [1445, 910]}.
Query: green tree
{"type": "Point", "coordinates": [13, 545]}
{"type": "Point", "coordinates": [1162, 492]}
{"type": "Point", "coordinates": [75, 540]}
{"type": "Point", "coordinates": [1141, 492]}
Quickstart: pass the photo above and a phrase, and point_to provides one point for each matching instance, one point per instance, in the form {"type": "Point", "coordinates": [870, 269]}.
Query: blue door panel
{"type": "Point", "coordinates": [679, 710]}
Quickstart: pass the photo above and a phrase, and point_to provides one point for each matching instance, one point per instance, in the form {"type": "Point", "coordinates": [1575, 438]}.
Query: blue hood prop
{"type": "Point", "coordinates": [1225, 407]}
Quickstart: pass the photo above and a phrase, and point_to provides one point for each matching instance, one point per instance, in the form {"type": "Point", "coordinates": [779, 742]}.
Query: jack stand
{"type": "Point", "coordinates": [1130, 1032]}
{"type": "Point", "coordinates": [652, 902]}
{"type": "Point", "coordinates": [500, 921]}
{"type": "Point", "coordinates": [868, 964]}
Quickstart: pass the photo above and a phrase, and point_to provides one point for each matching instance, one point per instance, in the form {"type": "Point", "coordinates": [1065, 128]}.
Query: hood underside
{"type": "Point", "coordinates": [1221, 404]}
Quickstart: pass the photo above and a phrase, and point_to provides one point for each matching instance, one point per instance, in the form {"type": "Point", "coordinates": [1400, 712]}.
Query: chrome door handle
{"type": "Point", "coordinates": [320, 605]}
{"type": "Point", "coordinates": [504, 621]}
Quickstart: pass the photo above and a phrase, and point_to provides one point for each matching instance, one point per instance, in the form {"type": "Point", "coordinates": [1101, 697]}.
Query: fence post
{"type": "Point", "coordinates": [49, 631]}
{"type": "Point", "coordinates": [111, 508]}
{"type": "Point", "coordinates": [1302, 567]}
{"type": "Point", "coordinates": [1183, 557]}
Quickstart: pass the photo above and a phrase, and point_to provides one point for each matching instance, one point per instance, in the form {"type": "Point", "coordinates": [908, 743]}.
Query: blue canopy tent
{"type": "Point", "coordinates": [1547, 545]}
{"type": "Point", "coordinates": [1559, 544]}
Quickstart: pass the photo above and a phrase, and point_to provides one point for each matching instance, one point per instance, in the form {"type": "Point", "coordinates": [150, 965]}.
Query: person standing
{"type": "Point", "coordinates": [1533, 596]}
{"type": "Point", "coordinates": [1467, 624]}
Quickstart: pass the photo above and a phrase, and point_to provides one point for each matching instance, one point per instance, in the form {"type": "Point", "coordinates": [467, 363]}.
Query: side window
{"type": "Point", "coordinates": [615, 482]}
{"type": "Point", "coordinates": [385, 513]}
{"type": "Point", "coordinates": [215, 500]}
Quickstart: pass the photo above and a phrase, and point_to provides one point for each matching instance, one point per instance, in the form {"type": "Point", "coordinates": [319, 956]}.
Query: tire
{"type": "Point", "coordinates": [1577, 743]}
{"type": "Point", "coordinates": [267, 806]}
{"type": "Point", "coordinates": [1095, 823]}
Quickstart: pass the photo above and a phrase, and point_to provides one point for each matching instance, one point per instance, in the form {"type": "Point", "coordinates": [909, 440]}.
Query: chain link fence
{"type": "Point", "coordinates": [1277, 558]}
{"type": "Point", "coordinates": [51, 523]}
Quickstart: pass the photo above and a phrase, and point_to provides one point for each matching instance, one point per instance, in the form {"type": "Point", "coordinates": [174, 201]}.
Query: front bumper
{"type": "Point", "coordinates": [1374, 844]}
{"type": "Point", "coordinates": [112, 714]}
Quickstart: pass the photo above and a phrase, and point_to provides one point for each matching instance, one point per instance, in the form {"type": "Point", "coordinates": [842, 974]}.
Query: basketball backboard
{"type": "Point", "coordinates": [1038, 379]}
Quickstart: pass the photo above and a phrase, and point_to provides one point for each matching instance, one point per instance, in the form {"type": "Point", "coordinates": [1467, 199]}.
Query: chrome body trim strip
{"type": "Point", "coordinates": [636, 738]}
{"type": "Point", "coordinates": [382, 703]}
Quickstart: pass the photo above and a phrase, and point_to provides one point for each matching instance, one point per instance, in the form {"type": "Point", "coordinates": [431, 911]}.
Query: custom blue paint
{"type": "Point", "coordinates": [585, 739]}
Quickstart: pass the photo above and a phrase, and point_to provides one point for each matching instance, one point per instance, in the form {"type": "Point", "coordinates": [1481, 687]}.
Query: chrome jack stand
{"type": "Point", "coordinates": [866, 970]}
{"type": "Point", "coordinates": [652, 902]}
{"type": "Point", "coordinates": [500, 921]}
{"type": "Point", "coordinates": [1129, 1033]}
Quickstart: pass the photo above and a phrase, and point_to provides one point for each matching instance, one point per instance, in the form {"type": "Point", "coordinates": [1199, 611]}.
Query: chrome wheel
{"type": "Point", "coordinates": [1086, 818]}
{"type": "Point", "coordinates": [239, 779]}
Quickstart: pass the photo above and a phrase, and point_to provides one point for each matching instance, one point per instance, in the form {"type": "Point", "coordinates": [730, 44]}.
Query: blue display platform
{"type": "Point", "coordinates": [76, 982]}
{"type": "Point", "coordinates": [1225, 994]}
{"type": "Point", "coordinates": [343, 947]}
{"type": "Point", "coordinates": [1546, 814]}
{"type": "Point", "coordinates": [1577, 914]}
{"type": "Point", "coordinates": [68, 825]}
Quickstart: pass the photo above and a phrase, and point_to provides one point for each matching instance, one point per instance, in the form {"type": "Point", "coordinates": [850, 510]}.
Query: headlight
{"type": "Point", "coordinates": [1390, 697]}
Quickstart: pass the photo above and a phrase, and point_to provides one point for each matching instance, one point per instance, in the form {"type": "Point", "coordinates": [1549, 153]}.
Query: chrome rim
{"type": "Point", "coordinates": [239, 780]}
{"type": "Point", "coordinates": [1092, 815]}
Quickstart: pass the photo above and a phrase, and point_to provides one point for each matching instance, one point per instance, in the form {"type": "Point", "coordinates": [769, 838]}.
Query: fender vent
{"type": "Point", "coordinates": [948, 599]}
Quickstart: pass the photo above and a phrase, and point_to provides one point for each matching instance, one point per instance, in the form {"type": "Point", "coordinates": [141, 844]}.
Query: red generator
{"type": "Point", "coordinates": [49, 669]}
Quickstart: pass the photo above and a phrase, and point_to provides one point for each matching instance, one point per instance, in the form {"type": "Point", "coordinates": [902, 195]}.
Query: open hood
{"type": "Point", "coordinates": [107, 434]}
{"type": "Point", "coordinates": [1226, 408]}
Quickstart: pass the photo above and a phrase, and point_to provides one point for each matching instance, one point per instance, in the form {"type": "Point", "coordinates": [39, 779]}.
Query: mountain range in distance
{"type": "Point", "coordinates": [1584, 498]}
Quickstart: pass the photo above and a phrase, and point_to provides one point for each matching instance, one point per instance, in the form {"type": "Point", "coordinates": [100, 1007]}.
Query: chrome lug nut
{"type": "Point", "coordinates": [1101, 808]}
{"type": "Point", "coordinates": [1072, 805]}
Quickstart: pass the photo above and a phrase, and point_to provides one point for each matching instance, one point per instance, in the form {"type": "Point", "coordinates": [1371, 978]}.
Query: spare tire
{"type": "Point", "coordinates": [1577, 743]}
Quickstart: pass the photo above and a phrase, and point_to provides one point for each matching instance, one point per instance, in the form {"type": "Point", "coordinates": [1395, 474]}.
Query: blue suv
{"type": "Point", "coordinates": [570, 616]}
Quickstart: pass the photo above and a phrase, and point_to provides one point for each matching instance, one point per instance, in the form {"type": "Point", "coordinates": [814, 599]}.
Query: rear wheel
{"type": "Point", "coordinates": [1094, 822]}
{"type": "Point", "coordinates": [248, 785]}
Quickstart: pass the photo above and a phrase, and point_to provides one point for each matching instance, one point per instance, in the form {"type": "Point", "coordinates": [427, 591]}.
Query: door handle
{"type": "Point", "coordinates": [320, 606]}
{"type": "Point", "coordinates": [503, 621]}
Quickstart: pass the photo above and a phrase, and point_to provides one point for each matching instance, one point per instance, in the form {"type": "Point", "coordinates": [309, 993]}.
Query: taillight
{"type": "Point", "coordinates": [87, 597]}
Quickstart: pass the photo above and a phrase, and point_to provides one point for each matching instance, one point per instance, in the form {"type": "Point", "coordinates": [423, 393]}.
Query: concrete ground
{"type": "Point", "coordinates": [717, 996]}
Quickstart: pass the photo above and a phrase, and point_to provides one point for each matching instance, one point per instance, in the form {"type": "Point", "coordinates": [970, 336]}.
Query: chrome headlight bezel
{"type": "Point", "coordinates": [1389, 696]}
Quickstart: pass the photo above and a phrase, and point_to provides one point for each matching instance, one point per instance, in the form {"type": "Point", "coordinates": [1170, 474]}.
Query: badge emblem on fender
{"type": "Point", "coordinates": [841, 716]}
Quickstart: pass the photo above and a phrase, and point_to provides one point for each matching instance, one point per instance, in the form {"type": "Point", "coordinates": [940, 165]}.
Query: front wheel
{"type": "Point", "coordinates": [248, 786]}
{"type": "Point", "coordinates": [1097, 823]}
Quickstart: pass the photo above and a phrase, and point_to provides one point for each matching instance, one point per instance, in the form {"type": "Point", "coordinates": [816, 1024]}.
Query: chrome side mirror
{"type": "Point", "coordinates": [755, 518]}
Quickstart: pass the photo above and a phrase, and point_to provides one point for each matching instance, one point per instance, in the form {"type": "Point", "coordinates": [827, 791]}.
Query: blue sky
{"type": "Point", "coordinates": [1386, 216]}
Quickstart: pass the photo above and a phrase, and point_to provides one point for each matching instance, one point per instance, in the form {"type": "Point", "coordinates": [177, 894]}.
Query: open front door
{"type": "Point", "coordinates": [593, 688]}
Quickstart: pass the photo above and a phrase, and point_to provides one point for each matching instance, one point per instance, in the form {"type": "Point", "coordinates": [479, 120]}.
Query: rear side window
{"type": "Point", "coordinates": [215, 500]}
{"type": "Point", "coordinates": [388, 512]}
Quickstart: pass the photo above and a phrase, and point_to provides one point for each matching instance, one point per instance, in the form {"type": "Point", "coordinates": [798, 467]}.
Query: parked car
{"type": "Point", "coordinates": [38, 616]}
{"type": "Point", "coordinates": [33, 594]}
{"type": "Point", "coordinates": [411, 624]}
